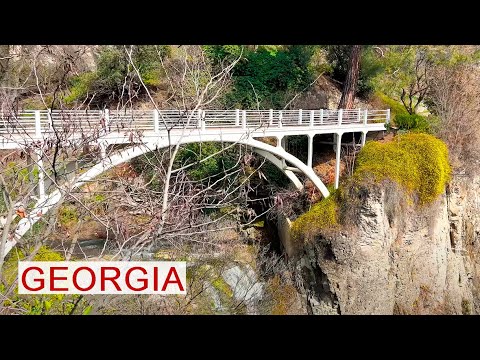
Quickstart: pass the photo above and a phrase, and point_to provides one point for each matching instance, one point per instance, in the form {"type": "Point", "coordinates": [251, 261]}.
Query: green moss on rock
{"type": "Point", "coordinates": [322, 216]}
{"type": "Point", "coordinates": [418, 162]}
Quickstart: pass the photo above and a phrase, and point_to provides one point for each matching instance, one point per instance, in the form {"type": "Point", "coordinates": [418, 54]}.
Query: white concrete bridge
{"type": "Point", "coordinates": [151, 129]}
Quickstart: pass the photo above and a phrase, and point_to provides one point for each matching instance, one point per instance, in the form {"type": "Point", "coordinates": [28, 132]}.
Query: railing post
{"type": "Point", "coordinates": [365, 117]}
{"type": "Point", "coordinates": [156, 128]}
{"type": "Point", "coordinates": [50, 120]}
{"type": "Point", "coordinates": [300, 117]}
{"type": "Point", "coordinates": [244, 119]}
{"type": "Point", "coordinates": [359, 119]}
{"type": "Point", "coordinates": [280, 117]}
{"type": "Point", "coordinates": [107, 117]}
{"type": "Point", "coordinates": [312, 117]}
{"type": "Point", "coordinates": [321, 116]}
{"type": "Point", "coordinates": [340, 114]}
{"type": "Point", "coordinates": [237, 117]}
{"type": "Point", "coordinates": [202, 119]}
{"type": "Point", "coordinates": [388, 116]}
{"type": "Point", "coordinates": [38, 125]}
{"type": "Point", "coordinates": [270, 116]}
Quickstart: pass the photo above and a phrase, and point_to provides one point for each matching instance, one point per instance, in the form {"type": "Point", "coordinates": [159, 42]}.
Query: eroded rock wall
{"type": "Point", "coordinates": [401, 260]}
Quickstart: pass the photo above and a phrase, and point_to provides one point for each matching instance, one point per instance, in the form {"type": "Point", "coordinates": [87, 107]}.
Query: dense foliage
{"type": "Point", "coordinates": [412, 122]}
{"type": "Point", "coordinates": [267, 76]}
{"type": "Point", "coordinates": [39, 304]}
{"type": "Point", "coordinates": [370, 66]}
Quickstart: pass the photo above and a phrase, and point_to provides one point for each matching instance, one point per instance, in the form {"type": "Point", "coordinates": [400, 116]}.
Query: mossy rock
{"type": "Point", "coordinates": [322, 216]}
{"type": "Point", "coordinates": [221, 286]}
{"type": "Point", "coordinates": [418, 162]}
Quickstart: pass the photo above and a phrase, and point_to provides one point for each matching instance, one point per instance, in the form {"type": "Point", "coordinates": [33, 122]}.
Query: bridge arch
{"type": "Point", "coordinates": [44, 205]}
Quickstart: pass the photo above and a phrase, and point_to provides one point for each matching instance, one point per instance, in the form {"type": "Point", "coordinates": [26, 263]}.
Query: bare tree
{"type": "Point", "coordinates": [455, 98]}
{"type": "Point", "coordinates": [152, 202]}
{"type": "Point", "coordinates": [413, 94]}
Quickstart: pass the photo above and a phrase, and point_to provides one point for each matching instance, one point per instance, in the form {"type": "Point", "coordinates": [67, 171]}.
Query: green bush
{"type": "Point", "coordinates": [266, 76]}
{"type": "Point", "coordinates": [219, 53]}
{"type": "Point", "coordinates": [39, 304]}
{"type": "Point", "coordinates": [412, 122]}
{"type": "Point", "coordinates": [395, 107]}
{"type": "Point", "coordinates": [10, 267]}
{"type": "Point", "coordinates": [80, 86]}
{"type": "Point", "coordinates": [401, 118]}
{"type": "Point", "coordinates": [417, 161]}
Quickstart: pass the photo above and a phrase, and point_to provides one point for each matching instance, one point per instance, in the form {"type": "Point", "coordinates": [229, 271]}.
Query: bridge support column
{"type": "Point", "coordinates": [364, 138]}
{"type": "Point", "coordinates": [310, 150]}
{"type": "Point", "coordinates": [279, 141]}
{"type": "Point", "coordinates": [41, 174]}
{"type": "Point", "coordinates": [103, 150]}
{"type": "Point", "coordinates": [283, 145]}
{"type": "Point", "coordinates": [338, 150]}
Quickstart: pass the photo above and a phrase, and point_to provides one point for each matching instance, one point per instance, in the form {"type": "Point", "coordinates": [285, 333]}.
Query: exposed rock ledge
{"type": "Point", "coordinates": [412, 262]}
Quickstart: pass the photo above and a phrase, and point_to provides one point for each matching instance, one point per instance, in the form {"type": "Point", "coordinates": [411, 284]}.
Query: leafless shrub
{"type": "Point", "coordinates": [289, 203]}
{"type": "Point", "coordinates": [455, 98]}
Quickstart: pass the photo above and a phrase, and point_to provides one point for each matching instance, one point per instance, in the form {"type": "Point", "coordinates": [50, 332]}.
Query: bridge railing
{"type": "Point", "coordinates": [17, 122]}
{"type": "Point", "coordinates": [72, 121]}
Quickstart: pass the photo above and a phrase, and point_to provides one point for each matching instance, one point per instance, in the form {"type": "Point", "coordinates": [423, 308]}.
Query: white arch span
{"type": "Point", "coordinates": [43, 206]}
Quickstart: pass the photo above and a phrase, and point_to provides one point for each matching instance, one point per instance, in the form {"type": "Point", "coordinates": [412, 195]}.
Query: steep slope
{"type": "Point", "coordinates": [400, 261]}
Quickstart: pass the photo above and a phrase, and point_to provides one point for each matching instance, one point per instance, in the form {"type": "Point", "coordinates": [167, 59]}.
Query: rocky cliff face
{"type": "Point", "coordinates": [400, 261]}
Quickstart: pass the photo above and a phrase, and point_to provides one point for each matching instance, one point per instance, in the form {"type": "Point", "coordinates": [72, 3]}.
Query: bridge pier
{"type": "Point", "coordinates": [338, 150]}
{"type": "Point", "coordinates": [282, 142]}
{"type": "Point", "coordinates": [310, 150]}
{"type": "Point", "coordinates": [364, 137]}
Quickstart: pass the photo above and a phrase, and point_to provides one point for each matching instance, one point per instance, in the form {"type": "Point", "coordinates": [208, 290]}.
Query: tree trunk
{"type": "Point", "coordinates": [350, 84]}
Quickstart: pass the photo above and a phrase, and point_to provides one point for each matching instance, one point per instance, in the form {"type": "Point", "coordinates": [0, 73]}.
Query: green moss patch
{"type": "Point", "coordinates": [418, 162]}
{"type": "Point", "coordinates": [10, 267]}
{"type": "Point", "coordinates": [220, 285]}
{"type": "Point", "coordinates": [322, 216]}
{"type": "Point", "coordinates": [67, 215]}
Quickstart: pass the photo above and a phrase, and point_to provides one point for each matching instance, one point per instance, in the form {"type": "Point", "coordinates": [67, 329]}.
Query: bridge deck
{"type": "Point", "coordinates": [30, 125]}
